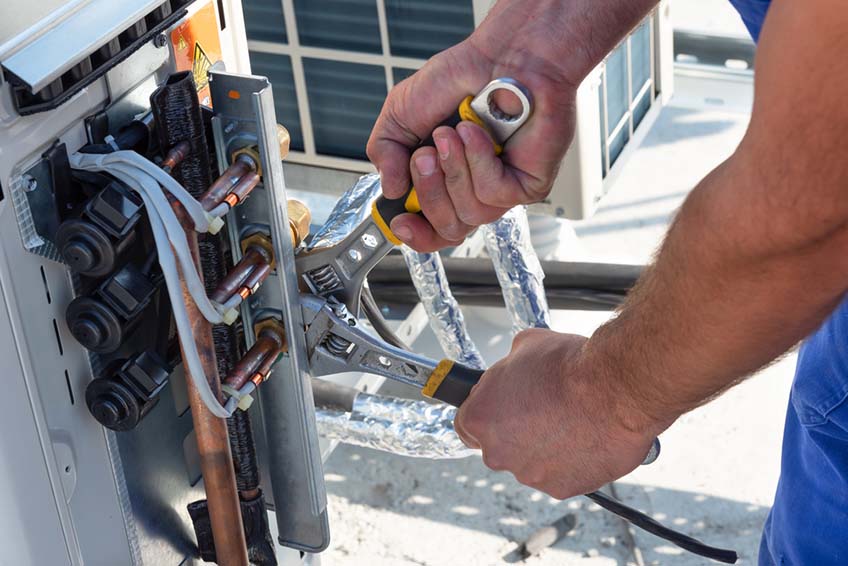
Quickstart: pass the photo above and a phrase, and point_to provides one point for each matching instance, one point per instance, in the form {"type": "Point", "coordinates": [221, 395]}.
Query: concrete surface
{"type": "Point", "coordinates": [719, 467]}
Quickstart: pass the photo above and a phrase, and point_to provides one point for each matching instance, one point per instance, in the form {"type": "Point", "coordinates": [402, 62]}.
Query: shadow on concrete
{"type": "Point", "coordinates": [675, 124]}
{"type": "Point", "coordinates": [467, 494]}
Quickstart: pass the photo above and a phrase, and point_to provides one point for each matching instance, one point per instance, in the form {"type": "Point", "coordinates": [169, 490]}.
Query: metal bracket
{"type": "Point", "coordinates": [244, 115]}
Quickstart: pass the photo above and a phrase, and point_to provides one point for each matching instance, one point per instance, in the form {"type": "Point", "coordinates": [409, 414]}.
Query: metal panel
{"type": "Point", "coordinates": [44, 59]}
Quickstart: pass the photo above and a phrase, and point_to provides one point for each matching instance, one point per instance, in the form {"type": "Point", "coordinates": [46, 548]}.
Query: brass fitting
{"type": "Point", "coordinates": [263, 242]}
{"type": "Point", "coordinates": [274, 325]}
{"type": "Point", "coordinates": [299, 220]}
{"type": "Point", "coordinates": [283, 139]}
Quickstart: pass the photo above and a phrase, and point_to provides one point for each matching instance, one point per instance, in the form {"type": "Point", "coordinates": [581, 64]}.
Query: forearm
{"type": "Point", "coordinates": [573, 36]}
{"type": "Point", "coordinates": [737, 283]}
{"type": "Point", "coordinates": [756, 258]}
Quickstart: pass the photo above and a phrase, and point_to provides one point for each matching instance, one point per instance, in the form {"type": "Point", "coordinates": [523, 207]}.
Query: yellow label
{"type": "Point", "coordinates": [200, 67]}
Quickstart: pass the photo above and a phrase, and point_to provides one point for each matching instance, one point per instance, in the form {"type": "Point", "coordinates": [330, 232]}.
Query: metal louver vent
{"type": "Point", "coordinates": [338, 60]}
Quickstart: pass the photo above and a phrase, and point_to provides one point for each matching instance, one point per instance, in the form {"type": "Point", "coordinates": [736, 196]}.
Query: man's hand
{"type": "Point", "coordinates": [549, 46]}
{"type": "Point", "coordinates": [554, 420]}
{"type": "Point", "coordinates": [461, 183]}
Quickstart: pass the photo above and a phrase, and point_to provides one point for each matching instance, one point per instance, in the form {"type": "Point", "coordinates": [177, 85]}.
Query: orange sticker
{"type": "Point", "coordinates": [197, 47]}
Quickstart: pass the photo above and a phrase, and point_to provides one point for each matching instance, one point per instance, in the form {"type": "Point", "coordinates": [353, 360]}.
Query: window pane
{"type": "Point", "coordinates": [344, 101]}
{"type": "Point", "coordinates": [400, 74]}
{"type": "Point", "coordinates": [264, 20]}
{"type": "Point", "coordinates": [616, 77]}
{"type": "Point", "coordinates": [351, 25]}
{"type": "Point", "coordinates": [618, 143]}
{"type": "Point", "coordinates": [603, 130]}
{"type": "Point", "coordinates": [278, 69]}
{"type": "Point", "coordinates": [422, 28]}
{"type": "Point", "coordinates": [640, 55]}
{"type": "Point", "coordinates": [642, 108]}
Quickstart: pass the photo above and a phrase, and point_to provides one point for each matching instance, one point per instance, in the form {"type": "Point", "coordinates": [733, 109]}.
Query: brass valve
{"type": "Point", "coordinates": [252, 152]}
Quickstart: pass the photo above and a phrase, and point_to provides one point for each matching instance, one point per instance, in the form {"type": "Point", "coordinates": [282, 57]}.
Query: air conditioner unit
{"type": "Point", "coordinates": [332, 65]}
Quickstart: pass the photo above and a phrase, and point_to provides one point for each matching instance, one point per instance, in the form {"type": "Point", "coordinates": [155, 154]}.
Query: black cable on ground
{"type": "Point", "coordinates": [646, 523]}
{"type": "Point", "coordinates": [375, 317]}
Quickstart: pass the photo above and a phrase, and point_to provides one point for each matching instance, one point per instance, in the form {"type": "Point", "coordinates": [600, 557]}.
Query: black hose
{"type": "Point", "coordinates": [491, 296]}
{"type": "Point", "coordinates": [375, 317]}
{"type": "Point", "coordinates": [479, 271]}
{"type": "Point", "coordinates": [333, 396]}
{"type": "Point", "coordinates": [646, 523]}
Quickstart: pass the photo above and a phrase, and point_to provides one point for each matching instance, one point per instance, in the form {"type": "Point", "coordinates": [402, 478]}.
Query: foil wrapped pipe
{"type": "Point", "coordinates": [415, 429]}
{"type": "Point", "coordinates": [412, 428]}
{"type": "Point", "coordinates": [446, 318]}
{"type": "Point", "coordinates": [351, 209]}
{"type": "Point", "coordinates": [518, 269]}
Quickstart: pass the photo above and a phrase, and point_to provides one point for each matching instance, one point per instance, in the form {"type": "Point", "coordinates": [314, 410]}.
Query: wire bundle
{"type": "Point", "coordinates": [149, 181]}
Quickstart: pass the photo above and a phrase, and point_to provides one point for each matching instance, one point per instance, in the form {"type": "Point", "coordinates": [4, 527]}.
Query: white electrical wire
{"type": "Point", "coordinates": [168, 232]}
{"type": "Point", "coordinates": [144, 184]}
{"type": "Point", "coordinates": [167, 261]}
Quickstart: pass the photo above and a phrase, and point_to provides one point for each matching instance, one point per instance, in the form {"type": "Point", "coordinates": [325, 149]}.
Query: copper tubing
{"type": "Point", "coordinates": [254, 258]}
{"type": "Point", "coordinates": [176, 156]}
{"type": "Point", "coordinates": [258, 359]}
{"type": "Point", "coordinates": [255, 279]}
{"type": "Point", "coordinates": [225, 183]}
{"type": "Point", "coordinates": [244, 187]}
{"type": "Point", "coordinates": [213, 443]}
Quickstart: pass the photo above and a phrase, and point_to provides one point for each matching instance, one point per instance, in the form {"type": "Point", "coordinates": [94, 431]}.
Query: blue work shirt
{"type": "Point", "coordinates": [808, 524]}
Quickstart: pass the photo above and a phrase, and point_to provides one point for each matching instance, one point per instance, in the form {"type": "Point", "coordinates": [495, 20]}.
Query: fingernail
{"type": "Point", "coordinates": [443, 146]}
{"type": "Point", "coordinates": [402, 232]}
{"type": "Point", "coordinates": [464, 132]}
{"type": "Point", "coordinates": [426, 165]}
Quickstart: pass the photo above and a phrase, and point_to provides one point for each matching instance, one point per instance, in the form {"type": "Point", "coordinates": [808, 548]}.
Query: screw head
{"type": "Point", "coordinates": [355, 256]}
{"type": "Point", "coordinates": [30, 184]}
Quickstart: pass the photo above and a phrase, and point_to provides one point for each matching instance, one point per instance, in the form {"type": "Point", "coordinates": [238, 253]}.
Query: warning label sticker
{"type": "Point", "coordinates": [200, 67]}
{"type": "Point", "coordinates": [187, 38]}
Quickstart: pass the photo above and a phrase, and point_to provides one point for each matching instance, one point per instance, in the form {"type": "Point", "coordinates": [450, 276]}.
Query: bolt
{"type": "Point", "coordinates": [30, 184]}
{"type": "Point", "coordinates": [160, 40]}
{"type": "Point", "coordinates": [355, 256]}
{"type": "Point", "coordinates": [560, 211]}
{"type": "Point", "coordinates": [228, 129]}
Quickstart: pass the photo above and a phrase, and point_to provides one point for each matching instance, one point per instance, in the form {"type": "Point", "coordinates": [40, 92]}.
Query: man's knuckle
{"type": "Point", "coordinates": [453, 231]}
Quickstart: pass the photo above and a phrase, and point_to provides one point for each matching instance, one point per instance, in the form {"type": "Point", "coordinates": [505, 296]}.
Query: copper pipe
{"type": "Point", "coordinates": [245, 186]}
{"type": "Point", "coordinates": [268, 345]}
{"type": "Point", "coordinates": [255, 279]}
{"type": "Point", "coordinates": [225, 183]}
{"type": "Point", "coordinates": [176, 156]}
{"type": "Point", "coordinates": [229, 285]}
{"type": "Point", "coordinates": [213, 445]}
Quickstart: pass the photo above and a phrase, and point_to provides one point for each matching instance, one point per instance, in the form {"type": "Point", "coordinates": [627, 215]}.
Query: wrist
{"type": "Point", "coordinates": [632, 401]}
{"type": "Point", "coordinates": [562, 39]}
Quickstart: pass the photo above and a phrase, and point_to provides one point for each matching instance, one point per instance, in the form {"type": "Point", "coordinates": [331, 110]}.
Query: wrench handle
{"type": "Point", "coordinates": [452, 383]}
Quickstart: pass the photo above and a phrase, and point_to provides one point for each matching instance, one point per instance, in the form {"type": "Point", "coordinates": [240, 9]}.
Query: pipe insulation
{"type": "Point", "coordinates": [413, 428]}
{"type": "Point", "coordinates": [446, 318]}
{"type": "Point", "coordinates": [349, 212]}
{"type": "Point", "coordinates": [518, 270]}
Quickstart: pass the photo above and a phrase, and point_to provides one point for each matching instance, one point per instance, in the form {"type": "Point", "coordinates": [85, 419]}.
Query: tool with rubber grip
{"type": "Point", "coordinates": [477, 109]}
{"type": "Point", "coordinates": [452, 382]}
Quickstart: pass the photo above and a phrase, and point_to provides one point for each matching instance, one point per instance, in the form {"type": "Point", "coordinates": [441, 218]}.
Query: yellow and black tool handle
{"type": "Point", "coordinates": [385, 210]}
{"type": "Point", "coordinates": [451, 382]}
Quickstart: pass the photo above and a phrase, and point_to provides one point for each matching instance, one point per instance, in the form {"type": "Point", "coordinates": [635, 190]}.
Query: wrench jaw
{"type": "Point", "coordinates": [336, 344]}
{"type": "Point", "coordinates": [339, 271]}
